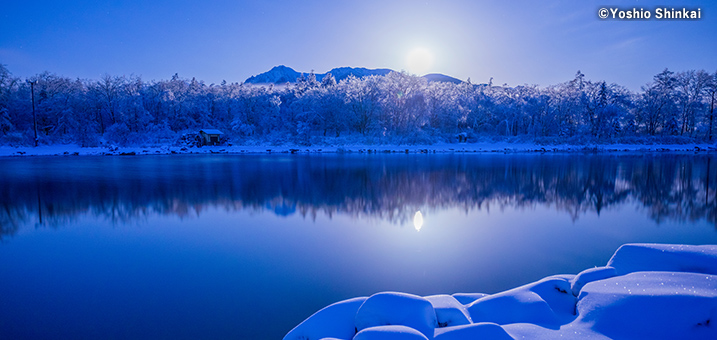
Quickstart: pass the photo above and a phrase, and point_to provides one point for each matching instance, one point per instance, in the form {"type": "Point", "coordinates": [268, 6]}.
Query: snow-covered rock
{"type": "Point", "coordinates": [483, 330]}
{"type": "Point", "coordinates": [333, 321]}
{"type": "Point", "coordinates": [449, 312]}
{"type": "Point", "coordinates": [548, 302]}
{"type": "Point", "coordinates": [467, 298]}
{"type": "Point", "coordinates": [391, 308]}
{"type": "Point", "coordinates": [390, 333]}
{"type": "Point", "coordinates": [590, 275]}
{"type": "Point", "coordinates": [651, 305]}
{"type": "Point", "coordinates": [665, 257]}
{"type": "Point", "coordinates": [647, 291]}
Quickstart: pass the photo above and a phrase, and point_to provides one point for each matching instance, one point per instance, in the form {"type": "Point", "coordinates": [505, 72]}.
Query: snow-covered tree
{"type": "Point", "coordinates": [711, 98]}
{"type": "Point", "coordinates": [396, 108]}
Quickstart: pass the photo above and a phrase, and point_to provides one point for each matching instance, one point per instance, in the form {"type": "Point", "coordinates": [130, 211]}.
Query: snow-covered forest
{"type": "Point", "coordinates": [674, 107]}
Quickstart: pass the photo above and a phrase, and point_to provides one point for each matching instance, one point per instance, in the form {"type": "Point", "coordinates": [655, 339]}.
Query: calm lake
{"type": "Point", "coordinates": [247, 246]}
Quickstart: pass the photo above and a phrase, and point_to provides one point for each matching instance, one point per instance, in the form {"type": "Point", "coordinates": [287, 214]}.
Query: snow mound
{"type": "Point", "coordinates": [647, 291]}
{"type": "Point", "coordinates": [590, 275]}
{"type": "Point", "coordinates": [548, 302]}
{"type": "Point", "coordinates": [389, 333]}
{"type": "Point", "coordinates": [333, 321]}
{"type": "Point", "coordinates": [467, 298]}
{"type": "Point", "coordinates": [483, 330]}
{"type": "Point", "coordinates": [391, 308]}
{"type": "Point", "coordinates": [665, 257]}
{"type": "Point", "coordinates": [652, 305]}
{"type": "Point", "coordinates": [449, 312]}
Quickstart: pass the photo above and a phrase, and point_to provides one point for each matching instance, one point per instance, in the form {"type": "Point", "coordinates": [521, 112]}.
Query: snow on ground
{"type": "Point", "coordinates": [646, 291]}
{"type": "Point", "coordinates": [505, 147]}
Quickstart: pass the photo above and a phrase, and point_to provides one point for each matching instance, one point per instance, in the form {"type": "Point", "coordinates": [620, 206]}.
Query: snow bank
{"type": "Point", "coordinates": [389, 333]}
{"type": "Point", "coordinates": [449, 312]}
{"type": "Point", "coordinates": [548, 302]}
{"type": "Point", "coordinates": [482, 330]}
{"type": "Point", "coordinates": [333, 321]}
{"type": "Point", "coordinates": [664, 257]}
{"type": "Point", "coordinates": [403, 309]}
{"type": "Point", "coordinates": [467, 298]}
{"type": "Point", "coordinates": [482, 147]}
{"type": "Point", "coordinates": [645, 291]}
{"type": "Point", "coordinates": [651, 305]}
{"type": "Point", "coordinates": [590, 275]}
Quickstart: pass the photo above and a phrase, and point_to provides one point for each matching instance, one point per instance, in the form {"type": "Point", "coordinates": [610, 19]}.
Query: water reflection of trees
{"type": "Point", "coordinates": [52, 191]}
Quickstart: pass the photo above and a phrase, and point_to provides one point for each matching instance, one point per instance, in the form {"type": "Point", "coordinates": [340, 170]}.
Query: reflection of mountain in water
{"type": "Point", "coordinates": [391, 187]}
{"type": "Point", "coordinates": [282, 208]}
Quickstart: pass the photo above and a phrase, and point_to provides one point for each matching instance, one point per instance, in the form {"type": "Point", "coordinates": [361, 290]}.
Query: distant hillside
{"type": "Point", "coordinates": [282, 74]}
{"type": "Point", "coordinates": [277, 75]}
{"type": "Point", "coordinates": [442, 77]}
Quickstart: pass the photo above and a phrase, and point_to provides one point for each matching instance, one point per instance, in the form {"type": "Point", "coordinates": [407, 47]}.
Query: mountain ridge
{"type": "Point", "coordinates": [282, 74]}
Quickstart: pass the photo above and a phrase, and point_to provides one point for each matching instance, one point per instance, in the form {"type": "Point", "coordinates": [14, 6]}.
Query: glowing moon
{"type": "Point", "coordinates": [419, 61]}
{"type": "Point", "coordinates": [418, 221]}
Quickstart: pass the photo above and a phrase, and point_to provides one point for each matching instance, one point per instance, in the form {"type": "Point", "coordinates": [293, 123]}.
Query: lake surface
{"type": "Point", "coordinates": [247, 246]}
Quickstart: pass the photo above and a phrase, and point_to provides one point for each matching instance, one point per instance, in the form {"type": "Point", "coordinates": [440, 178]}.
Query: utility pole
{"type": "Point", "coordinates": [34, 117]}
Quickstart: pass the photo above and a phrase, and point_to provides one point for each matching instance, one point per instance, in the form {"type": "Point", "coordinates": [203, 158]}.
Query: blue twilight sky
{"type": "Point", "coordinates": [516, 42]}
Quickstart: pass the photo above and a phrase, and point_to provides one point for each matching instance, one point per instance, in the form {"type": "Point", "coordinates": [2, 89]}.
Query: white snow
{"type": "Point", "coordinates": [212, 131]}
{"type": "Point", "coordinates": [664, 257]}
{"type": "Point", "coordinates": [449, 312]}
{"type": "Point", "coordinates": [467, 298]}
{"type": "Point", "coordinates": [548, 302]}
{"type": "Point", "coordinates": [650, 291]}
{"type": "Point", "coordinates": [482, 147]}
{"type": "Point", "coordinates": [590, 275]}
{"type": "Point", "coordinates": [389, 333]}
{"type": "Point", "coordinates": [482, 330]}
{"type": "Point", "coordinates": [333, 321]}
{"type": "Point", "coordinates": [393, 308]}
{"type": "Point", "coordinates": [651, 305]}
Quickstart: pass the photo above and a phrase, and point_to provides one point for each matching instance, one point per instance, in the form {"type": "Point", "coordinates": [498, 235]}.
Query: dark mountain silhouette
{"type": "Point", "coordinates": [283, 74]}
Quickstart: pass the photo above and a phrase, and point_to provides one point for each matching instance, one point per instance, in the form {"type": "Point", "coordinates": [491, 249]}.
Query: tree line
{"type": "Point", "coordinates": [397, 108]}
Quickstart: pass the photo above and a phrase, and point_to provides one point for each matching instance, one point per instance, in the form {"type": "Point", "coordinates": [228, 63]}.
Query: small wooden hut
{"type": "Point", "coordinates": [462, 137]}
{"type": "Point", "coordinates": [210, 136]}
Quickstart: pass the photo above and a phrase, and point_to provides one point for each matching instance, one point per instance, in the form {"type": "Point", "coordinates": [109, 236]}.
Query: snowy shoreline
{"type": "Point", "coordinates": [498, 147]}
{"type": "Point", "coordinates": [651, 291]}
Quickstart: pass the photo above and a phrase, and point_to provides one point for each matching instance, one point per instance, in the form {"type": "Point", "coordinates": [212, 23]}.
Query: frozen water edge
{"type": "Point", "coordinates": [486, 147]}
{"type": "Point", "coordinates": [653, 291]}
